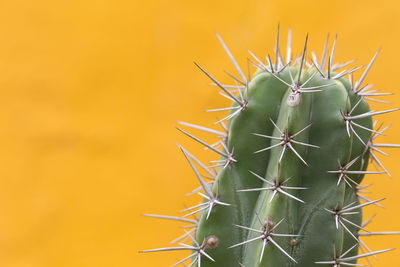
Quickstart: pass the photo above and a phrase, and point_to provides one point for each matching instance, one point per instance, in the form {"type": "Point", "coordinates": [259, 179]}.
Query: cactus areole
{"type": "Point", "coordinates": [293, 150]}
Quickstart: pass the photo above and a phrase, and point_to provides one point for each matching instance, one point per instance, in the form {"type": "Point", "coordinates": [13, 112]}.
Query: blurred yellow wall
{"type": "Point", "coordinates": [90, 92]}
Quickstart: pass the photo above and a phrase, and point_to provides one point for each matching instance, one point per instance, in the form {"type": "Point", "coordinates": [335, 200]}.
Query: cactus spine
{"type": "Point", "coordinates": [295, 148]}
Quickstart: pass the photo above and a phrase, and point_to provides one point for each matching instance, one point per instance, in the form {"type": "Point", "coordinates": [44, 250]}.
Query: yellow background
{"type": "Point", "coordinates": [90, 92]}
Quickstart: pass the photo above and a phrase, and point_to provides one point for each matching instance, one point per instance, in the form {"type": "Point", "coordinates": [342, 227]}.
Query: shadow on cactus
{"type": "Point", "coordinates": [293, 150]}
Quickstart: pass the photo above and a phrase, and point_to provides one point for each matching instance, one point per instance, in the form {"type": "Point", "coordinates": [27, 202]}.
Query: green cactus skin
{"type": "Point", "coordinates": [237, 176]}
{"type": "Point", "coordinates": [287, 188]}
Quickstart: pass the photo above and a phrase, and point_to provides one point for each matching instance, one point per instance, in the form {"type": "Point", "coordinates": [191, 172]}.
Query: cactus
{"type": "Point", "coordinates": [294, 149]}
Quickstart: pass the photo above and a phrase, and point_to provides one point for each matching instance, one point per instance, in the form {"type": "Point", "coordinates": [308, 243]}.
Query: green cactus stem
{"type": "Point", "coordinates": [293, 152]}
